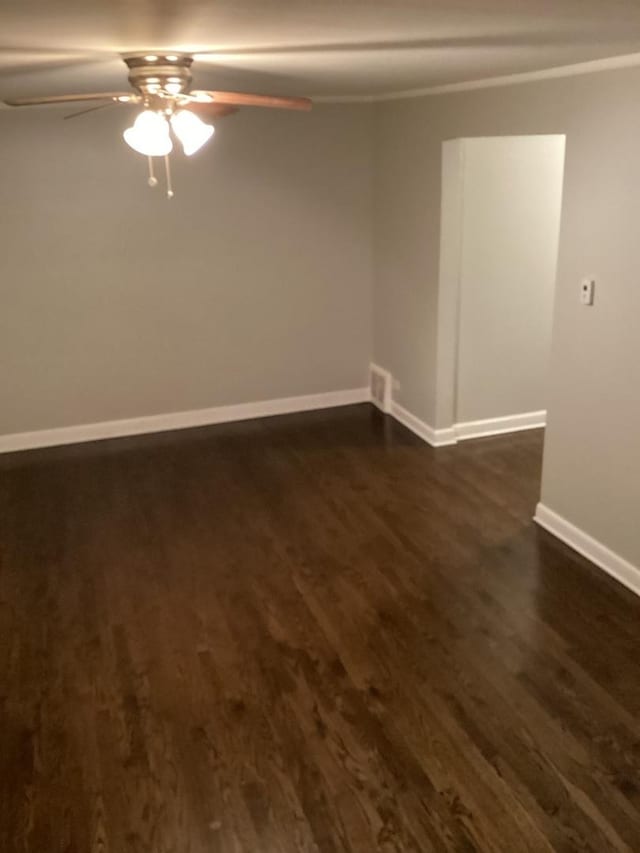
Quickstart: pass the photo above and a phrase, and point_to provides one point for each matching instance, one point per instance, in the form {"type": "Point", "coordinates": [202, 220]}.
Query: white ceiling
{"type": "Point", "coordinates": [310, 48]}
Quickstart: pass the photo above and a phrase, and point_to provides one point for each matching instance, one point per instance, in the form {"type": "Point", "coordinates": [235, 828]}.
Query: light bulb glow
{"type": "Point", "coordinates": [149, 135]}
{"type": "Point", "coordinates": [191, 131]}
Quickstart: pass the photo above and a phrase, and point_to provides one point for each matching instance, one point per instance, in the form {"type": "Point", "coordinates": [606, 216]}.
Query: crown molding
{"type": "Point", "coordinates": [346, 99]}
{"type": "Point", "coordinates": [593, 66]}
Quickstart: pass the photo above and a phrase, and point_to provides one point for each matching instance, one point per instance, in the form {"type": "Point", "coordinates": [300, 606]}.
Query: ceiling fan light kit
{"type": "Point", "coordinates": [192, 132]}
{"type": "Point", "coordinates": [149, 135]}
{"type": "Point", "coordinates": [161, 83]}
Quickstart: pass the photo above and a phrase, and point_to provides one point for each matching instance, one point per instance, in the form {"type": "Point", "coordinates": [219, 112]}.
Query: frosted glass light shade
{"type": "Point", "coordinates": [191, 131]}
{"type": "Point", "coordinates": [149, 135]}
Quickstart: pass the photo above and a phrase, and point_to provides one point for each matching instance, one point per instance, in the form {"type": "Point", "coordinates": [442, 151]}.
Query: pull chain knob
{"type": "Point", "coordinates": [152, 180]}
{"type": "Point", "coordinates": [167, 170]}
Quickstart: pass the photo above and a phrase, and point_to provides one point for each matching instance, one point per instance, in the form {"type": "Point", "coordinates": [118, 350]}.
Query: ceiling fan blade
{"type": "Point", "coordinates": [211, 109]}
{"type": "Point", "coordinates": [91, 110]}
{"type": "Point", "coordinates": [245, 99]}
{"type": "Point", "coordinates": [67, 99]}
{"type": "Point", "coordinates": [30, 60]}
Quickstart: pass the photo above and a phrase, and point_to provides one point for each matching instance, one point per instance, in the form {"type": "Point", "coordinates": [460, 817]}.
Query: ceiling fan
{"type": "Point", "coordinates": [161, 84]}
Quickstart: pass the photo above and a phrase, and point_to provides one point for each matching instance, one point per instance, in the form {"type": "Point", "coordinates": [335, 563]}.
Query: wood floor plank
{"type": "Point", "coordinates": [307, 633]}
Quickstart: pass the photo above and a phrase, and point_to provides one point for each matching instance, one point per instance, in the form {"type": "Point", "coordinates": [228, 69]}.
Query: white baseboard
{"type": "Point", "coordinates": [497, 426]}
{"type": "Point", "coordinates": [473, 429]}
{"type": "Point", "coordinates": [179, 420]}
{"type": "Point", "coordinates": [434, 437]}
{"type": "Point", "coordinates": [603, 557]}
{"type": "Point", "coordinates": [447, 436]}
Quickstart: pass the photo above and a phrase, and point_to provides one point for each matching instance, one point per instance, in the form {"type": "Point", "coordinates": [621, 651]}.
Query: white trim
{"type": "Point", "coordinates": [606, 559]}
{"type": "Point", "coordinates": [472, 429]}
{"type": "Point", "coordinates": [179, 420]}
{"type": "Point", "coordinates": [446, 436]}
{"type": "Point", "coordinates": [434, 437]}
{"type": "Point", "coordinates": [497, 426]}
{"type": "Point", "coordinates": [346, 99]}
{"type": "Point", "coordinates": [449, 275]}
{"type": "Point", "coordinates": [593, 66]}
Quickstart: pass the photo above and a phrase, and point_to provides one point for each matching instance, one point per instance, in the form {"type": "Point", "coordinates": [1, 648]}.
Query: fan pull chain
{"type": "Point", "coordinates": [167, 170]}
{"type": "Point", "coordinates": [152, 180]}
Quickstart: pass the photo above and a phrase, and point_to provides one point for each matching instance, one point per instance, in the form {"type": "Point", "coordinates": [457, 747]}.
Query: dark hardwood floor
{"type": "Point", "coordinates": [307, 633]}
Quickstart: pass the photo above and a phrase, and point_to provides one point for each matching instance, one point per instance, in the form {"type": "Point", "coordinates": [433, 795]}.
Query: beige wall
{"type": "Point", "coordinates": [253, 283]}
{"type": "Point", "coordinates": [592, 458]}
{"type": "Point", "coordinates": [510, 224]}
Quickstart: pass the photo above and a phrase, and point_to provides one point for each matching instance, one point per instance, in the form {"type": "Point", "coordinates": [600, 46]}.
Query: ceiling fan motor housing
{"type": "Point", "coordinates": [160, 74]}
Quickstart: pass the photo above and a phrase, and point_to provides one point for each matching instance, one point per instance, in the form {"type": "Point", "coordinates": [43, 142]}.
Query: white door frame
{"type": "Point", "coordinates": [448, 320]}
{"type": "Point", "coordinates": [451, 210]}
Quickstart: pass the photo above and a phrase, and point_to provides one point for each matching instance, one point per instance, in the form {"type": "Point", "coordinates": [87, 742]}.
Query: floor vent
{"type": "Point", "coordinates": [380, 384]}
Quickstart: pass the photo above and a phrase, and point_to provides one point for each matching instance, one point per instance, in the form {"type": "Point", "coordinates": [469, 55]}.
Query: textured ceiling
{"type": "Point", "coordinates": [312, 48]}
